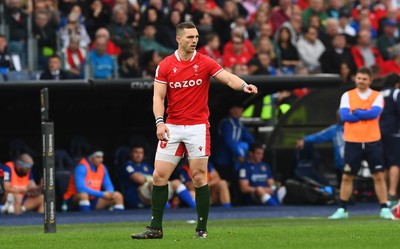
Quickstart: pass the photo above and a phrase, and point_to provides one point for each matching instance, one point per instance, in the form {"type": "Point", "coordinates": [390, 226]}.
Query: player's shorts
{"type": "Point", "coordinates": [354, 153]}
{"type": "Point", "coordinates": [192, 141]}
{"type": "Point", "coordinates": [391, 150]}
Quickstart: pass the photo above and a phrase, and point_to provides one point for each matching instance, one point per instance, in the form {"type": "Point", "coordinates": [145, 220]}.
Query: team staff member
{"type": "Point", "coordinates": [90, 186]}
{"type": "Point", "coordinates": [360, 109]}
{"type": "Point", "coordinates": [390, 129]}
{"type": "Point", "coordinates": [20, 188]}
{"type": "Point", "coordinates": [184, 79]}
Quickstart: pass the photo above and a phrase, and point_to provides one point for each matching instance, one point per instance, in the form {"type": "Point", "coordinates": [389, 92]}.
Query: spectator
{"type": "Point", "coordinates": [54, 71]}
{"type": "Point", "coordinates": [112, 49]}
{"type": "Point", "coordinates": [240, 70]}
{"type": "Point", "coordinates": [90, 186]}
{"type": "Point", "coordinates": [294, 26]}
{"type": "Point", "coordinates": [363, 53]}
{"type": "Point", "coordinates": [211, 48]}
{"type": "Point", "coordinates": [46, 37]}
{"type": "Point", "coordinates": [311, 49]}
{"type": "Point", "coordinates": [289, 56]}
{"type": "Point", "coordinates": [346, 74]}
{"type": "Point", "coordinates": [101, 62]}
{"type": "Point", "coordinates": [74, 58]}
{"type": "Point", "coordinates": [223, 24]}
{"type": "Point", "coordinates": [17, 22]}
{"type": "Point", "coordinates": [281, 14]}
{"type": "Point", "coordinates": [50, 10]}
{"type": "Point", "coordinates": [316, 8]}
{"type": "Point", "coordinates": [97, 17]}
{"type": "Point", "coordinates": [149, 62]}
{"type": "Point", "coordinates": [150, 15]}
{"type": "Point", "coordinates": [129, 66]}
{"type": "Point", "coordinates": [335, 7]}
{"type": "Point", "coordinates": [364, 10]}
{"type": "Point", "coordinates": [392, 65]}
{"type": "Point", "coordinates": [209, 7]}
{"type": "Point", "coordinates": [76, 9]}
{"type": "Point", "coordinates": [256, 179]}
{"type": "Point", "coordinates": [74, 28]}
{"type": "Point", "coordinates": [265, 30]}
{"type": "Point", "coordinates": [205, 26]}
{"type": "Point", "coordinates": [345, 27]}
{"type": "Point", "coordinates": [387, 40]}
{"type": "Point", "coordinates": [148, 42]}
{"type": "Point", "coordinates": [218, 188]}
{"type": "Point", "coordinates": [166, 34]}
{"type": "Point", "coordinates": [331, 29]}
{"type": "Point", "coordinates": [389, 124]}
{"type": "Point", "coordinates": [20, 188]}
{"type": "Point", "coordinates": [261, 65]}
{"type": "Point", "coordinates": [137, 182]}
{"type": "Point", "coordinates": [121, 32]}
{"type": "Point", "coordinates": [6, 62]}
{"type": "Point", "coordinates": [334, 134]}
{"type": "Point", "coordinates": [233, 142]}
{"type": "Point", "coordinates": [261, 18]}
{"type": "Point", "coordinates": [238, 50]}
{"type": "Point", "coordinates": [365, 22]}
{"type": "Point", "coordinates": [333, 57]}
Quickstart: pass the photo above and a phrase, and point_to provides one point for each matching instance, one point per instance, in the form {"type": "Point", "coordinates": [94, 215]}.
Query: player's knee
{"type": "Point", "coordinates": [175, 184]}
{"type": "Point", "coordinates": [199, 179]}
{"type": "Point", "coordinates": [159, 178]}
{"type": "Point", "coordinates": [83, 196]}
{"type": "Point", "coordinates": [223, 184]}
{"type": "Point", "coordinates": [118, 196]}
{"type": "Point", "coordinates": [378, 176]}
{"type": "Point", "coordinates": [347, 178]}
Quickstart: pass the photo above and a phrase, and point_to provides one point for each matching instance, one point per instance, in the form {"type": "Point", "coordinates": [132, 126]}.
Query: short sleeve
{"type": "Point", "coordinates": [7, 173]}
{"type": "Point", "coordinates": [344, 101]}
{"type": "Point", "coordinates": [214, 67]}
{"type": "Point", "coordinates": [161, 73]}
{"type": "Point", "coordinates": [378, 101]}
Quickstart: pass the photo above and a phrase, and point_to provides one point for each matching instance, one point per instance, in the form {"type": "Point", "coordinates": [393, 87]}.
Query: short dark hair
{"type": "Point", "coordinates": [3, 36]}
{"type": "Point", "coordinates": [184, 25]}
{"type": "Point", "coordinates": [55, 56]}
{"type": "Point", "coordinates": [365, 70]}
{"type": "Point", "coordinates": [391, 80]}
{"type": "Point", "coordinates": [255, 146]}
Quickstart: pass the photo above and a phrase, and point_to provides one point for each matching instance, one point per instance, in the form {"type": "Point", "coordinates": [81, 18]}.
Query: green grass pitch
{"type": "Point", "coordinates": [356, 232]}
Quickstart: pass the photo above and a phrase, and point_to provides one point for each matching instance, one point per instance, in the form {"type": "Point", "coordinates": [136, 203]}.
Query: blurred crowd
{"type": "Point", "coordinates": [128, 38]}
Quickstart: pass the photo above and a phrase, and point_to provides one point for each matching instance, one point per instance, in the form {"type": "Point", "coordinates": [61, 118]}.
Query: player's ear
{"type": "Point", "coordinates": [178, 39]}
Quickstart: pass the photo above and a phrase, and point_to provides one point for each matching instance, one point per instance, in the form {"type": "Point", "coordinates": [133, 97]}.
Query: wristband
{"type": "Point", "coordinates": [244, 85]}
{"type": "Point", "coordinates": [159, 120]}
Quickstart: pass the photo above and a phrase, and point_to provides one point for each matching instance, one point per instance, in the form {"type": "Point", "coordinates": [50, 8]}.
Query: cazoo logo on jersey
{"type": "Point", "coordinates": [186, 83]}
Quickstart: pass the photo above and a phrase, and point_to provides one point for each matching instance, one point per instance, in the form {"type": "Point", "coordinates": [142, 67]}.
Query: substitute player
{"type": "Point", "coordinates": [360, 109]}
{"type": "Point", "coordinates": [184, 79]}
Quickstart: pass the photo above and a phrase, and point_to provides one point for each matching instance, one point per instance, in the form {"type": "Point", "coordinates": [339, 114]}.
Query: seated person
{"type": "Point", "coordinates": [218, 188]}
{"type": "Point", "coordinates": [256, 180]}
{"type": "Point", "coordinates": [90, 186]}
{"type": "Point", "coordinates": [20, 189]}
{"type": "Point", "coordinates": [54, 71]}
{"type": "Point", "coordinates": [137, 181]}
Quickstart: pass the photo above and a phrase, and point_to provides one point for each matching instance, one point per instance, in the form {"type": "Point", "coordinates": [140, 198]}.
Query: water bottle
{"type": "Point", "coordinates": [64, 207]}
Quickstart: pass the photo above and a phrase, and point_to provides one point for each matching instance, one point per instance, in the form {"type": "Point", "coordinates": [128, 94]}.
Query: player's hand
{"type": "Point", "coordinates": [300, 144]}
{"type": "Point", "coordinates": [108, 195]}
{"type": "Point", "coordinates": [251, 89]}
{"type": "Point", "coordinates": [162, 132]}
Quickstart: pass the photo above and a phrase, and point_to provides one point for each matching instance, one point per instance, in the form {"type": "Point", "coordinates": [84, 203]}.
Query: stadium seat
{"type": "Point", "coordinates": [18, 76]}
{"type": "Point", "coordinates": [1, 78]}
{"type": "Point", "coordinates": [63, 161]}
{"type": "Point", "coordinates": [79, 146]}
{"type": "Point", "coordinates": [121, 155]}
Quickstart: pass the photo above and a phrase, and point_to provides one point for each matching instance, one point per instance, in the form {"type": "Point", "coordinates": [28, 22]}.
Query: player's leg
{"type": "Point", "coordinates": [117, 202]}
{"type": "Point", "coordinates": [374, 157]}
{"type": "Point", "coordinates": [394, 173]}
{"type": "Point", "coordinates": [352, 157]}
{"type": "Point", "coordinates": [224, 195]}
{"type": "Point", "coordinates": [180, 189]}
{"type": "Point", "coordinates": [391, 148]}
{"type": "Point", "coordinates": [34, 203]}
{"type": "Point", "coordinates": [198, 171]}
{"type": "Point", "coordinates": [18, 198]}
{"type": "Point", "coordinates": [81, 200]}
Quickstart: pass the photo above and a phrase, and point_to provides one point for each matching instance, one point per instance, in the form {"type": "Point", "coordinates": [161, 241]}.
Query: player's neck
{"type": "Point", "coordinates": [184, 56]}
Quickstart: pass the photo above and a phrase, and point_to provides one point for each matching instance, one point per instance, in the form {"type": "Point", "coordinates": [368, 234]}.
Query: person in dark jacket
{"type": "Point", "coordinates": [54, 72]}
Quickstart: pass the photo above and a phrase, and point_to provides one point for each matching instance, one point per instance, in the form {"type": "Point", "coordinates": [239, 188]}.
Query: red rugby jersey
{"type": "Point", "coordinates": [188, 83]}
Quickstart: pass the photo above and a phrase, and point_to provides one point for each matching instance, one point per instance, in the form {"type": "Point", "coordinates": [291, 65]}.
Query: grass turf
{"type": "Point", "coordinates": [356, 232]}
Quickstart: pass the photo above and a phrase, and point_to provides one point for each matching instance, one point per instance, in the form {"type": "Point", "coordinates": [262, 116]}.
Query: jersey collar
{"type": "Point", "coordinates": [179, 59]}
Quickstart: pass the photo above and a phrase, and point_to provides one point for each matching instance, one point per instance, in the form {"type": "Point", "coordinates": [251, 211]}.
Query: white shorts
{"type": "Point", "coordinates": [192, 141]}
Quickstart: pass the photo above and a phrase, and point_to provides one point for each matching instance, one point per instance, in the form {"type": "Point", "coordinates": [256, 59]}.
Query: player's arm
{"type": "Point", "coordinates": [160, 91]}
{"type": "Point", "coordinates": [372, 113]}
{"type": "Point", "coordinates": [245, 187]}
{"type": "Point", "coordinates": [235, 82]}
{"type": "Point", "coordinates": [345, 113]}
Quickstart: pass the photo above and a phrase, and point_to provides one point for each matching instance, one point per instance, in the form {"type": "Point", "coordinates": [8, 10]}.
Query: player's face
{"type": "Point", "coordinates": [363, 81]}
{"type": "Point", "coordinates": [258, 155]}
{"type": "Point", "coordinates": [137, 155]}
{"type": "Point", "coordinates": [96, 160]}
{"type": "Point", "coordinates": [187, 40]}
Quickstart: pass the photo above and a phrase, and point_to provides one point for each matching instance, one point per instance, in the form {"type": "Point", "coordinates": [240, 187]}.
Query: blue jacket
{"type": "Point", "coordinates": [103, 65]}
{"type": "Point", "coordinates": [333, 133]}
{"type": "Point", "coordinates": [233, 138]}
{"type": "Point", "coordinates": [389, 121]}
